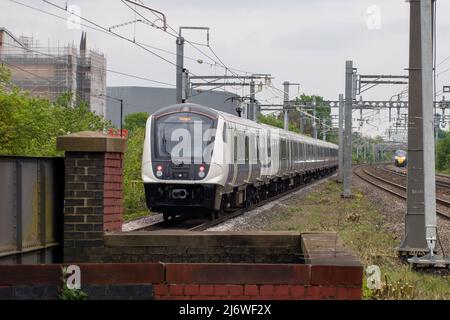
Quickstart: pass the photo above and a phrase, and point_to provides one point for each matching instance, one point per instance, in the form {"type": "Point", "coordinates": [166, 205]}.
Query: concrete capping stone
{"type": "Point", "coordinates": [203, 239]}
{"type": "Point", "coordinates": [91, 141]}
{"type": "Point", "coordinates": [327, 248]}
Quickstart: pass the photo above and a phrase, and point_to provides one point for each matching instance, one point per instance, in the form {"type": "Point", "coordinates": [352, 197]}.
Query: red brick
{"type": "Point", "coordinates": [266, 290]}
{"type": "Point", "coordinates": [220, 290]}
{"type": "Point", "coordinates": [206, 290]}
{"type": "Point", "coordinates": [336, 275]}
{"type": "Point", "coordinates": [298, 291]}
{"type": "Point", "coordinates": [239, 298]}
{"type": "Point", "coordinates": [236, 290]}
{"type": "Point", "coordinates": [342, 293]}
{"type": "Point", "coordinates": [113, 155]}
{"type": "Point", "coordinates": [176, 289]}
{"type": "Point", "coordinates": [204, 298]}
{"type": "Point", "coordinates": [240, 273]}
{"type": "Point", "coordinates": [282, 290]}
{"type": "Point", "coordinates": [191, 290]}
{"type": "Point", "coordinates": [354, 293]}
{"type": "Point", "coordinates": [251, 290]}
{"type": "Point", "coordinates": [113, 226]}
{"type": "Point", "coordinates": [113, 163]}
{"type": "Point", "coordinates": [176, 298]}
{"type": "Point", "coordinates": [313, 292]}
{"type": "Point", "coordinates": [161, 289]}
{"type": "Point", "coordinates": [328, 292]}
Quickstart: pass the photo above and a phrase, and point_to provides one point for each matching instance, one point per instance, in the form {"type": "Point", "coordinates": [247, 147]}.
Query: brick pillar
{"type": "Point", "coordinates": [93, 200]}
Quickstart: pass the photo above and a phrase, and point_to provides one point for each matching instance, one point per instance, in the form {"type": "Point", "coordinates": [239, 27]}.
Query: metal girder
{"type": "Point", "coordinates": [385, 104]}
{"type": "Point", "coordinates": [234, 77]}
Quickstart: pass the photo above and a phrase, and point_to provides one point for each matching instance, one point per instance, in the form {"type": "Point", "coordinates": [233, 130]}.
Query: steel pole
{"type": "Point", "coordinates": [341, 137]}
{"type": "Point", "coordinates": [348, 130]}
{"type": "Point", "coordinates": [251, 109]}
{"type": "Point", "coordinates": [286, 105]}
{"type": "Point", "coordinates": [314, 123]}
{"type": "Point", "coordinates": [302, 129]}
{"type": "Point", "coordinates": [121, 117]}
{"type": "Point", "coordinates": [180, 67]}
{"type": "Point", "coordinates": [420, 194]}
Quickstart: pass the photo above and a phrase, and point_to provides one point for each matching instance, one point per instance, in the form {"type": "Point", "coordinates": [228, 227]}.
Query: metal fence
{"type": "Point", "coordinates": [31, 209]}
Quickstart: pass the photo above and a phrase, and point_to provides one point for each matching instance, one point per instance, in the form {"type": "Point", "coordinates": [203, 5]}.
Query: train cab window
{"type": "Point", "coordinates": [174, 133]}
{"type": "Point", "coordinates": [247, 149]}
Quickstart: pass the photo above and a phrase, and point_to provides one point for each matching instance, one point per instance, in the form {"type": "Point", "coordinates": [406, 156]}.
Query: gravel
{"type": "Point", "coordinates": [394, 209]}
{"type": "Point", "coordinates": [142, 222]}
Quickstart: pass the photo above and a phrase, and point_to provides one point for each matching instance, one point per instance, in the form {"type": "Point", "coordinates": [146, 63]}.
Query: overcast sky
{"type": "Point", "coordinates": [294, 40]}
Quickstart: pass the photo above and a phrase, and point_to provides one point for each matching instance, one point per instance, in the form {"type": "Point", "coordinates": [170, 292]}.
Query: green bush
{"type": "Point", "coordinates": [29, 126]}
{"type": "Point", "coordinates": [134, 197]}
{"type": "Point", "coordinates": [443, 153]}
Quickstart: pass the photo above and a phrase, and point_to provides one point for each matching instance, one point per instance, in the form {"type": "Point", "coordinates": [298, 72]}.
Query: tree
{"type": "Point", "coordinates": [323, 112]}
{"type": "Point", "coordinates": [443, 153]}
{"type": "Point", "coordinates": [136, 120]}
{"type": "Point", "coordinates": [29, 125]}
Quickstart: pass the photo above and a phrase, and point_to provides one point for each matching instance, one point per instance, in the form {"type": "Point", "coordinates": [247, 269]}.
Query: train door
{"type": "Point", "coordinates": [255, 163]}
{"type": "Point", "coordinates": [283, 155]}
{"type": "Point", "coordinates": [232, 157]}
{"type": "Point", "coordinates": [242, 156]}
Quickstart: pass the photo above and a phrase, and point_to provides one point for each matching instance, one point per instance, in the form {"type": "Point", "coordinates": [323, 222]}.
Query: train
{"type": "Point", "coordinates": [199, 161]}
{"type": "Point", "coordinates": [400, 158]}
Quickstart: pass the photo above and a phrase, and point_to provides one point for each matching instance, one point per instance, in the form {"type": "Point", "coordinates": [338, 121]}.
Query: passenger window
{"type": "Point", "coordinates": [269, 147]}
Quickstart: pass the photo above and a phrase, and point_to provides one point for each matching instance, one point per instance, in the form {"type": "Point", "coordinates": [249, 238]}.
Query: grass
{"type": "Point", "coordinates": [363, 228]}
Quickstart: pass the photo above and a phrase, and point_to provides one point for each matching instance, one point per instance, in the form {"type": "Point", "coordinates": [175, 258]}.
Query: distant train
{"type": "Point", "coordinates": [400, 158]}
{"type": "Point", "coordinates": [200, 161]}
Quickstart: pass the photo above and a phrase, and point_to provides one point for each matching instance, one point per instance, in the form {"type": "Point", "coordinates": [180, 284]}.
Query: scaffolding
{"type": "Point", "coordinates": [49, 72]}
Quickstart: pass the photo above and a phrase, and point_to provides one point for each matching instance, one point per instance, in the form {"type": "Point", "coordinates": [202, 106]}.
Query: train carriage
{"type": "Point", "coordinates": [200, 161]}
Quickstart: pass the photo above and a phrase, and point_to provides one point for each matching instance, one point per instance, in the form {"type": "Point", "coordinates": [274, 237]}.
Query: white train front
{"type": "Point", "coordinates": [200, 161]}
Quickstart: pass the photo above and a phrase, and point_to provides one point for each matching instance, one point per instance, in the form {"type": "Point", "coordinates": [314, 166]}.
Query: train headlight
{"type": "Point", "coordinates": [201, 171]}
{"type": "Point", "coordinates": [159, 172]}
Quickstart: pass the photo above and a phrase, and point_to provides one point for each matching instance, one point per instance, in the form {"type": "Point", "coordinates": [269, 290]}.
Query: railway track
{"type": "Point", "coordinates": [396, 189]}
{"type": "Point", "coordinates": [201, 224]}
{"type": "Point", "coordinates": [402, 173]}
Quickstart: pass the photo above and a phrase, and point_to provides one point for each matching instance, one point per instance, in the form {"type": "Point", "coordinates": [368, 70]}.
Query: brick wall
{"type": "Point", "coordinates": [185, 246]}
{"type": "Point", "coordinates": [168, 281]}
{"type": "Point", "coordinates": [93, 199]}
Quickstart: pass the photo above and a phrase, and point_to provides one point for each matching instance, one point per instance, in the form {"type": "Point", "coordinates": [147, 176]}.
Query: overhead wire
{"type": "Point", "coordinates": [95, 67]}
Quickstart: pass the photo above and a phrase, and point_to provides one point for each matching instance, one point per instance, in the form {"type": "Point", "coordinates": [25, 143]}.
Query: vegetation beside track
{"type": "Point", "coordinates": [134, 196]}
{"type": "Point", "coordinates": [443, 153]}
{"type": "Point", "coordinates": [364, 229]}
